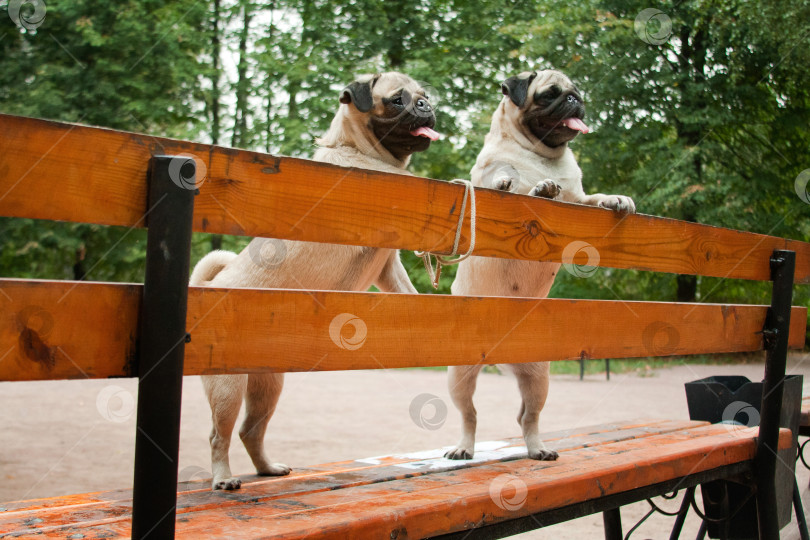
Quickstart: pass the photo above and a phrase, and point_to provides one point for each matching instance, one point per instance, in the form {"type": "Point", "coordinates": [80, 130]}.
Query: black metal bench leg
{"type": "Point", "coordinates": [775, 334]}
{"type": "Point", "coordinates": [161, 345]}
{"type": "Point", "coordinates": [798, 507]}
{"type": "Point", "coordinates": [681, 516]}
{"type": "Point", "coordinates": [613, 524]}
{"type": "Point", "coordinates": [702, 531]}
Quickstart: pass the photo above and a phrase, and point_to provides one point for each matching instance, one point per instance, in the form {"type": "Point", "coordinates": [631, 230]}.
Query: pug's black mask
{"type": "Point", "coordinates": [398, 126]}
{"type": "Point", "coordinates": [402, 120]}
{"type": "Point", "coordinates": [549, 118]}
{"type": "Point", "coordinates": [553, 112]}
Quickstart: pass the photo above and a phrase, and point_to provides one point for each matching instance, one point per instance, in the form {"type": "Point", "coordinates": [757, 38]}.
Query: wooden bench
{"type": "Point", "coordinates": [66, 172]}
{"type": "Point", "coordinates": [424, 495]}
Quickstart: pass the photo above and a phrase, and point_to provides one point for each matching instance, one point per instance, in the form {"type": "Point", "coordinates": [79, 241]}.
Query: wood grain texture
{"type": "Point", "coordinates": [196, 496]}
{"type": "Point", "coordinates": [59, 329]}
{"type": "Point", "coordinates": [67, 330]}
{"type": "Point", "coordinates": [414, 501]}
{"type": "Point", "coordinates": [58, 171]}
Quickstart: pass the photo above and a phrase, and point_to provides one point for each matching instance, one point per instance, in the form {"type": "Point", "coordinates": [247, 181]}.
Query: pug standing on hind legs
{"type": "Point", "coordinates": [526, 152]}
{"type": "Point", "coordinates": [382, 120]}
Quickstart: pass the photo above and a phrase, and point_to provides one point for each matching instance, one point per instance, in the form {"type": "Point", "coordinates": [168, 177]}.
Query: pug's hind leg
{"type": "Point", "coordinates": [547, 189]}
{"type": "Point", "coordinates": [461, 382]}
{"type": "Point", "coordinates": [263, 391]}
{"type": "Point", "coordinates": [225, 394]}
{"type": "Point", "coordinates": [533, 384]}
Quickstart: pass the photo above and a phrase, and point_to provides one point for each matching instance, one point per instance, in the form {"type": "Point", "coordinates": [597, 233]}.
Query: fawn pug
{"type": "Point", "coordinates": [381, 121]}
{"type": "Point", "coordinates": [525, 152]}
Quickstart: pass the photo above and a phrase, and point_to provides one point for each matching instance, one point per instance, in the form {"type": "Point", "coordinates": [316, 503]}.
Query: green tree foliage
{"type": "Point", "coordinates": [127, 65]}
{"type": "Point", "coordinates": [701, 109]}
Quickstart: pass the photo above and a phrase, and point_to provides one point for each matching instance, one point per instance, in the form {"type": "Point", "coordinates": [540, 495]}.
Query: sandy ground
{"type": "Point", "coordinates": [66, 437]}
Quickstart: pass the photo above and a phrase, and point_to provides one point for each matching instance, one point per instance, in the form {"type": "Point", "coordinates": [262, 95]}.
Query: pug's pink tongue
{"type": "Point", "coordinates": [576, 124]}
{"type": "Point", "coordinates": [426, 132]}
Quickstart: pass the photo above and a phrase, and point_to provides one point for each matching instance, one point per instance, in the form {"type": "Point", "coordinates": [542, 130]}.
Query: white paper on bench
{"type": "Point", "coordinates": [435, 460]}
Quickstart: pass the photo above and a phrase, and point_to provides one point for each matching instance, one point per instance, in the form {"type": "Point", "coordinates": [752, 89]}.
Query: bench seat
{"type": "Point", "coordinates": [422, 494]}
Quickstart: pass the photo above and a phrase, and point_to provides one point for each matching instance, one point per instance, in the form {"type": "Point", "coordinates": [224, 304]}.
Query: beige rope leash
{"type": "Point", "coordinates": [443, 260]}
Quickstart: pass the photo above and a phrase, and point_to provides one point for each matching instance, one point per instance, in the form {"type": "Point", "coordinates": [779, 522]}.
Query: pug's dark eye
{"type": "Point", "coordinates": [397, 100]}
{"type": "Point", "coordinates": [548, 95]}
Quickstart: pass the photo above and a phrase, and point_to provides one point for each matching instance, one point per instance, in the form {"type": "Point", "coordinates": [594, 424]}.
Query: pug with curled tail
{"type": "Point", "coordinates": [525, 152]}
{"type": "Point", "coordinates": [381, 121]}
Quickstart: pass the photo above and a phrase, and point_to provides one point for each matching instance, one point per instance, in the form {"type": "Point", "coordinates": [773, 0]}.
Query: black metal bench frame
{"type": "Point", "coordinates": [163, 335]}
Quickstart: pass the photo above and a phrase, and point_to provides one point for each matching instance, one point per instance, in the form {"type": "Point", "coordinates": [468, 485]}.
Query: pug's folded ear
{"type": "Point", "coordinates": [517, 88]}
{"type": "Point", "coordinates": [359, 93]}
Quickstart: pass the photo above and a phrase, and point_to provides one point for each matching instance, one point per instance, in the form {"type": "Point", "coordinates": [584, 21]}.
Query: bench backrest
{"type": "Point", "coordinates": [67, 172]}
{"type": "Point", "coordinates": [93, 175]}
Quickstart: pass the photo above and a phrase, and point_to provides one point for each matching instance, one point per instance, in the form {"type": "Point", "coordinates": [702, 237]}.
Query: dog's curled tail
{"type": "Point", "coordinates": [209, 266]}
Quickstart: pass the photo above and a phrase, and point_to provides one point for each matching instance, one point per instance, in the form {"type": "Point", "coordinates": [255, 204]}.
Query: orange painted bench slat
{"type": "Point", "coordinates": [317, 478]}
{"type": "Point", "coordinates": [61, 329]}
{"type": "Point", "coordinates": [419, 501]}
{"type": "Point", "coordinates": [253, 194]}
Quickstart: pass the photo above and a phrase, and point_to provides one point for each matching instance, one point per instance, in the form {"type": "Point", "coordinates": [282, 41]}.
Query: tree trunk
{"type": "Point", "coordinates": [268, 133]}
{"type": "Point", "coordinates": [687, 288]}
{"type": "Point", "coordinates": [692, 60]}
{"type": "Point", "coordinates": [294, 84]}
{"type": "Point", "coordinates": [79, 273]}
{"type": "Point", "coordinates": [215, 75]}
{"type": "Point", "coordinates": [216, 241]}
{"type": "Point", "coordinates": [216, 72]}
{"type": "Point", "coordinates": [268, 111]}
{"type": "Point", "coordinates": [240, 121]}
{"type": "Point", "coordinates": [396, 11]}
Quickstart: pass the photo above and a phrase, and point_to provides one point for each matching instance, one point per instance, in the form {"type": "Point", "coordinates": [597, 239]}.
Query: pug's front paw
{"type": "Point", "coordinates": [618, 203]}
{"type": "Point", "coordinates": [503, 184]}
{"type": "Point", "coordinates": [547, 189]}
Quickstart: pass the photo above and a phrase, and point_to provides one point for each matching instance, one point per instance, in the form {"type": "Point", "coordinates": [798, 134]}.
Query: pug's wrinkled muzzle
{"type": "Point", "coordinates": [568, 110]}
